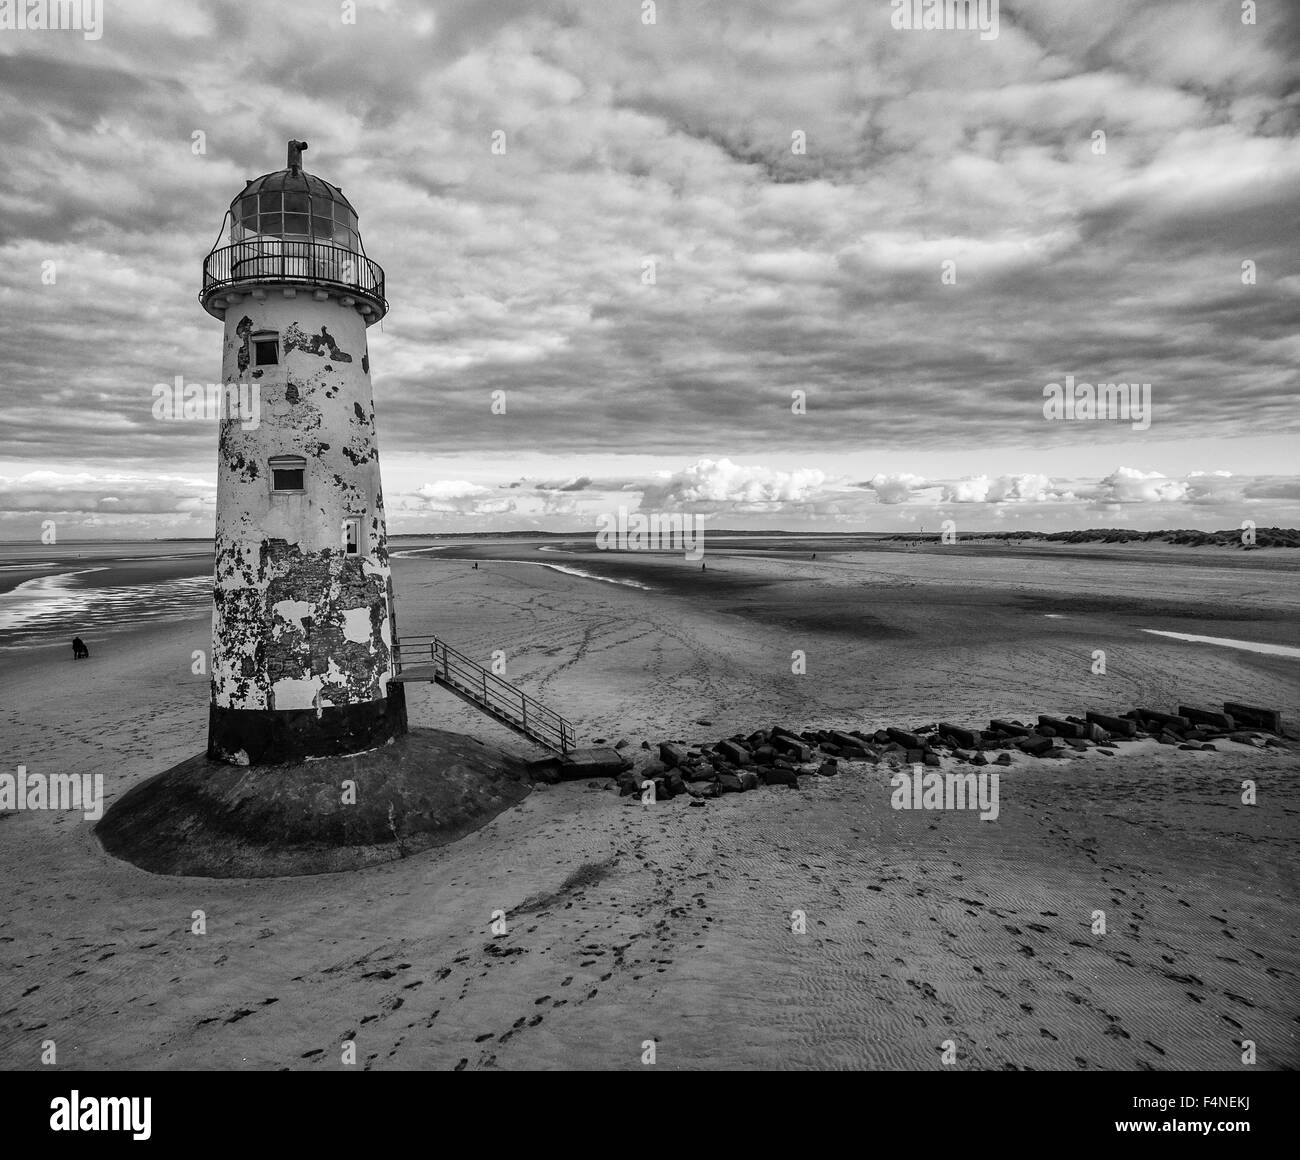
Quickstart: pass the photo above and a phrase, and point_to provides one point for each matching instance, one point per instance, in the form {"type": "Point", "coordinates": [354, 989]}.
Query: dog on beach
{"type": "Point", "coordinates": [79, 649]}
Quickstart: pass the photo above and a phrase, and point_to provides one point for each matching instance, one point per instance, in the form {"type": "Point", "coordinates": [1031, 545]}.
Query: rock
{"type": "Point", "coordinates": [736, 754]}
{"type": "Point", "coordinates": [783, 743]}
{"type": "Point", "coordinates": [1268, 719]}
{"type": "Point", "coordinates": [1247, 739]}
{"type": "Point", "coordinates": [1059, 726]}
{"type": "Point", "coordinates": [1190, 745]}
{"type": "Point", "coordinates": [849, 745]}
{"type": "Point", "coordinates": [628, 783]}
{"type": "Point", "coordinates": [1207, 717]}
{"type": "Point", "coordinates": [1170, 722]}
{"type": "Point", "coordinates": [1210, 746]}
{"type": "Point", "coordinates": [932, 759]}
{"type": "Point", "coordinates": [653, 769]}
{"type": "Point", "coordinates": [1167, 738]}
{"type": "Point", "coordinates": [778, 776]}
{"type": "Point", "coordinates": [881, 736]}
{"type": "Point", "coordinates": [748, 780]}
{"type": "Point", "coordinates": [980, 759]}
{"type": "Point", "coordinates": [1002, 759]}
{"type": "Point", "coordinates": [730, 783]}
{"type": "Point", "coordinates": [829, 749]}
{"type": "Point", "coordinates": [621, 744]}
{"type": "Point", "coordinates": [674, 785]}
{"type": "Point", "coordinates": [1035, 746]}
{"type": "Point", "coordinates": [702, 721]}
{"type": "Point", "coordinates": [1122, 726]}
{"type": "Point", "coordinates": [828, 768]}
{"type": "Point", "coordinates": [671, 754]}
{"type": "Point", "coordinates": [905, 739]}
{"type": "Point", "coordinates": [697, 802]}
{"type": "Point", "coordinates": [704, 789]}
{"type": "Point", "coordinates": [764, 755]}
{"type": "Point", "coordinates": [1076, 743]}
{"type": "Point", "coordinates": [914, 756]}
{"type": "Point", "coordinates": [1107, 752]}
{"type": "Point", "coordinates": [645, 745]}
{"type": "Point", "coordinates": [1010, 728]}
{"type": "Point", "coordinates": [967, 738]}
{"type": "Point", "coordinates": [703, 772]}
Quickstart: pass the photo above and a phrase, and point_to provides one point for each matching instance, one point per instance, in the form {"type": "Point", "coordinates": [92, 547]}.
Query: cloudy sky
{"type": "Point", "coordinates": [700, 210]}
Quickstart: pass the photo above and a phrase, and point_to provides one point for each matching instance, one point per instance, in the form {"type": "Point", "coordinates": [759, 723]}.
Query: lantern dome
{"type": "Point", "coordinates": [293, 204]}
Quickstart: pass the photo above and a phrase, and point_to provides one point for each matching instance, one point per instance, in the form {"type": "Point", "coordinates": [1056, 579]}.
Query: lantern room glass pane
{"type": "Point", "coordinates": [296, 223]}
{"type": "Point", "coordinates": [321, 206]}
{"type": "Point", "coordinates": [322, 227]}
{"type": "Point", "coordinates": [271, 202]}
{"type": "Point", "coordinates": [297, 203]}
{"type": "Point", "coordinates": [248, 209]}
{"type": "Point", "coordinates": [269, 223]}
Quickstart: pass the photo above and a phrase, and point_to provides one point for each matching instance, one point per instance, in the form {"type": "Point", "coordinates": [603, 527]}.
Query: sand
{"type": "Point", "coordinates": [670, 923]}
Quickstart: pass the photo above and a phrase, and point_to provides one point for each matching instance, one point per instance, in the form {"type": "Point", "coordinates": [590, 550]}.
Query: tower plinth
{"type": "Point", "coordinates": [302, 603]}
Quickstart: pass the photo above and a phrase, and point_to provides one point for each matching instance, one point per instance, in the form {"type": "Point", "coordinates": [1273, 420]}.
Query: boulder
{"type": "Point", "coordinates": [1060, 726]}
{"type": "Point", "coordinates": [1268, 719]}
{"type": "Point", "coordinates": [730, 783]}
{"type": "Point", "coordinates": [1207, 717]}
{"type": "Point", "coordinates": [670, 753]}
{"type": "Point", "coordinates": [1010, 728]}
{"type": "Point", "coordinates": [764, 755]}
{"type": "Point", "coordinates": [736, 754]}
{"type": "Point", "coordinates": [1167, 721]}
{"type": "Point", "coordinates": [1035, 746]}
{"type": "Point", "coordinates": [828, 768]}
{"type": "Point", "coordinates": [905, 739]}
{"type": "Point", "coordinates": [674, 784]}
{"type": "Point", "coordinates": [1247, 739]}
{"type": "Point", "coordinates": [967, 738]}
{"type": "Point", "coordinates": [748, 779]}
{"type": "Point", "coordinates": [778, 776]}
{"type": "Point", "coordinates": [794, 746]}
{"type": "Point", "coordinates": [1120, 726]}
{"type": "Point", "coordinates": [1002, 759]}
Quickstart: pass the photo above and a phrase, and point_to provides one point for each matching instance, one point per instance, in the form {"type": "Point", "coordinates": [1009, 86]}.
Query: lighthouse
{"type": "Point", "coordinates": [302, 619]}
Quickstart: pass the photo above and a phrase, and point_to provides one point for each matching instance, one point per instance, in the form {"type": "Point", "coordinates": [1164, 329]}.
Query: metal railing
{"type": "Point", "coordinates": [498, 697]}
{"type": "Point", "coordinates": [275, 260]}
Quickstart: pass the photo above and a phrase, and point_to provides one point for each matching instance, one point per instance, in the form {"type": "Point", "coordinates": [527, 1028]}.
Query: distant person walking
{"type": "Point", "coordinates": [79, 649]}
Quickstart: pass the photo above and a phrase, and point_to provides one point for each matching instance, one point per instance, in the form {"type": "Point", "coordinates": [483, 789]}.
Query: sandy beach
{"type": "Point", "coordinates": [628, 923]}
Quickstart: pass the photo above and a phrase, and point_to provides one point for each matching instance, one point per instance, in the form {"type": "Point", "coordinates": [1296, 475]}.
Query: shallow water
{"type": "Point", "coordinates": [1277, 650]}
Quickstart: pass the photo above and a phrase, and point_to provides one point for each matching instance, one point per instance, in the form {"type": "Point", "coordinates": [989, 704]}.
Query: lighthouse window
{"type": "Point", "coordinates": [351, 535]}
{"type": "Point", "coordinates": [287, 473]}
{"type": "Point", "coordinates": [266, 350]}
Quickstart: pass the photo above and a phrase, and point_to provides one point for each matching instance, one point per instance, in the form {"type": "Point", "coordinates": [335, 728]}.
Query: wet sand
{"type": "Point", "coordinates": [628, 923]}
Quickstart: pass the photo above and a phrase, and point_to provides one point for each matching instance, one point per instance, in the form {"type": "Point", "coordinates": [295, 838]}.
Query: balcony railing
{"type": "Point", "coordinates": [310, 263]}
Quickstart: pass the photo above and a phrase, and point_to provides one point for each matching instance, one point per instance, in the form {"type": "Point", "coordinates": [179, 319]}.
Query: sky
{"type": "Point", "coordinates": [776, 263]}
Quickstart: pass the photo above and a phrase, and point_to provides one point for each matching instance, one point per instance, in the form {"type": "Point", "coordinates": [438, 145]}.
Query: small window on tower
{"type": "Point", "coordinates": [352, 535]}
{"type": "Point", "coordinates": [266, 349]}
{"type": "Point", "coordinates": [288, 473]}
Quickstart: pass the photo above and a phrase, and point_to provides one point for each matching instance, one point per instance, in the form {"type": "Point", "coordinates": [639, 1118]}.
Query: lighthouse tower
{"type": "Point", "coordinates": [302, 623]}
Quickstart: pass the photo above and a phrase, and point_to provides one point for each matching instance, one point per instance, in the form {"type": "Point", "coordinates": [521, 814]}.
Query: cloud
{"type": "Point", "coordinates": [716, 486]}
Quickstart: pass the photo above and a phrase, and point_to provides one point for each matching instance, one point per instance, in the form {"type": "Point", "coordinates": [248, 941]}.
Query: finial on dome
{"type": "Point", "coordinates": [295, 155]}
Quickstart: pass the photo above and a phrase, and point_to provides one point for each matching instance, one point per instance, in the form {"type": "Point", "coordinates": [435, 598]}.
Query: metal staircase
{"type": "Point", "coordinates": [426, 658]}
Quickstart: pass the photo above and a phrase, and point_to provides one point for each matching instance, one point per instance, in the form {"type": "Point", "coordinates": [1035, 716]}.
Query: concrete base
{"type": "Point", "coordinates": [592, 763]}
{"type": "Point", "coordinates": [274, 736]}
{"type": "Point", "coordinates": [215, 820]}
